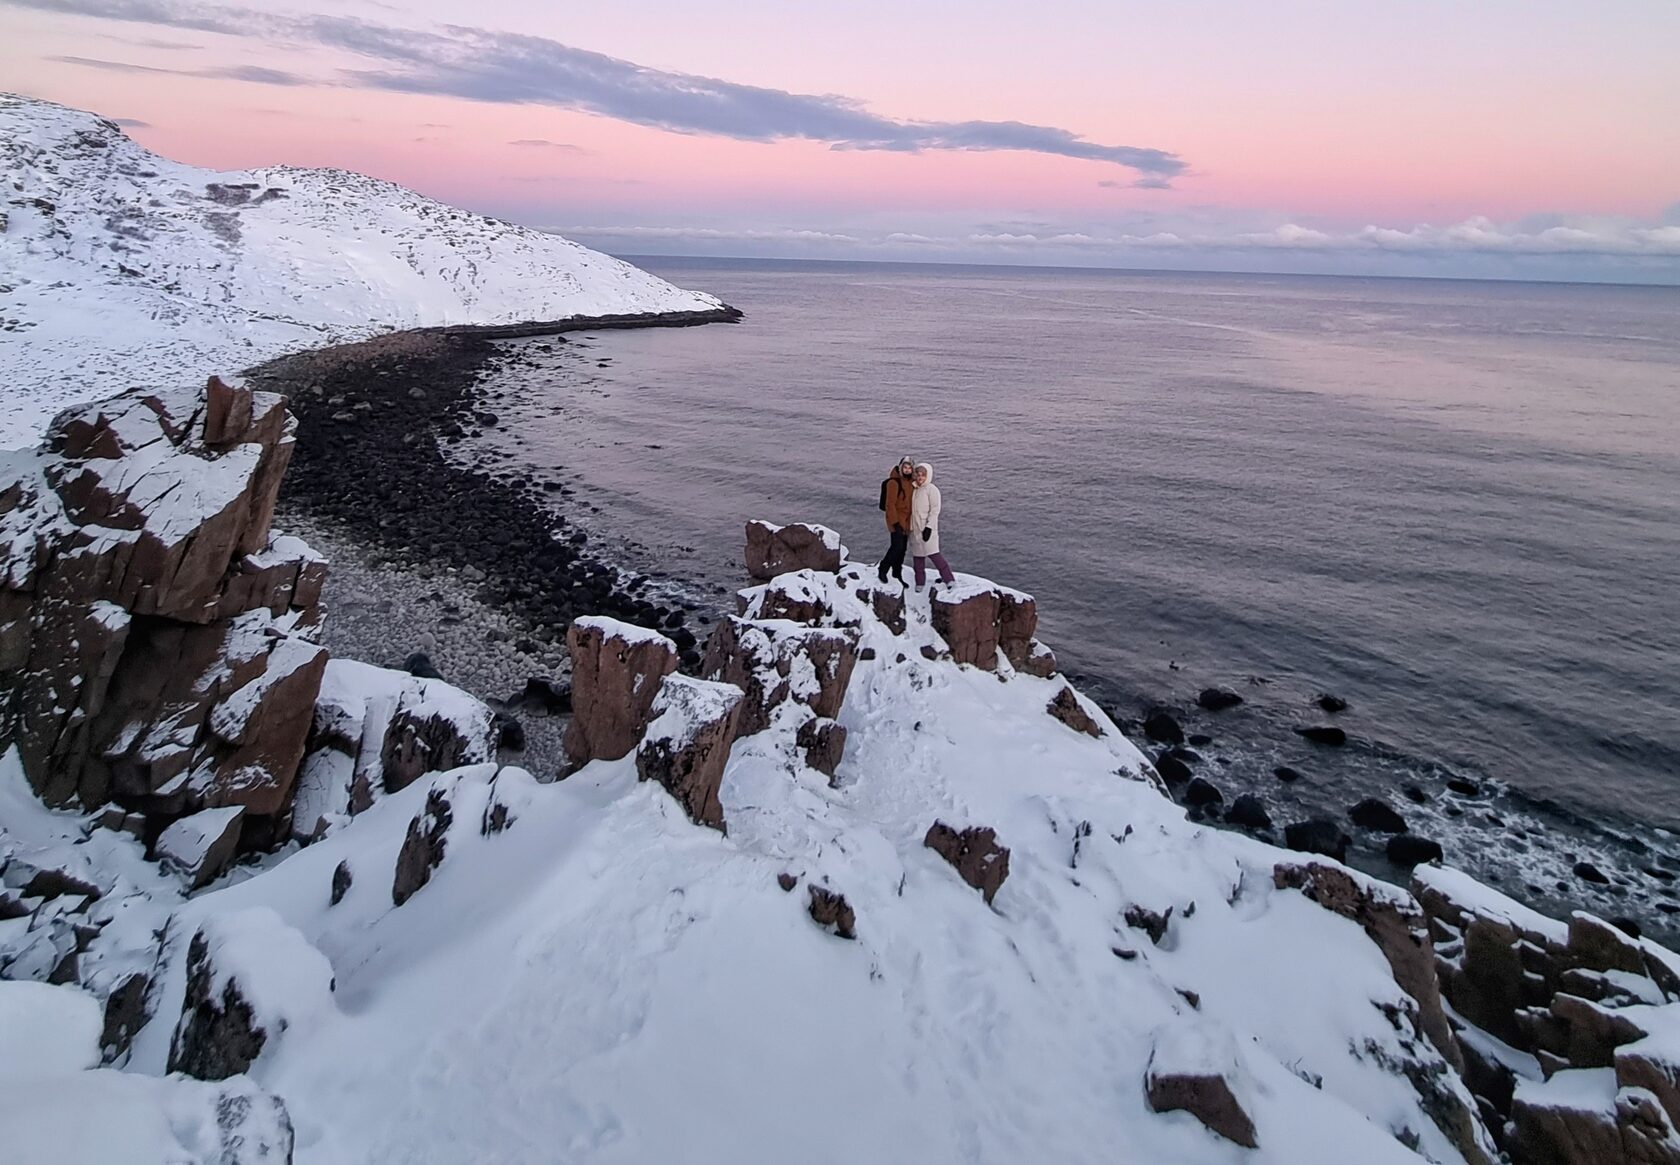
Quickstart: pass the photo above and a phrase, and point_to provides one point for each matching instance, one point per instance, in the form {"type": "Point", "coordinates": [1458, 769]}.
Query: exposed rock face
{"type": "Point", "coordinates": [824, 744]}
{"type": "Point", "coordinates": [155, 642]}
{"type": "Point", "coordinates": [423, 847]}
{"type": "Point", "coordinates": [967, 620]}
{"type": "Point", "coordinates": [832, 912]}
{"type": "Point", "coordinates": [249, 978]}
{"type": "Point", "coordinates": [775, 662]}
{"type": "Point", "coordinates": [1197, 1069]}
{"type": "Point", "coordinates": [1067, 708]}
{"type": "Point", "coordinates": [774, 550]}
{"type": "Point", "coordinates": [1395, 923]}
{"type": "Point", "coordinates": [616, 669]}
{"type": "Point", "coordinates": [375, 731]}
{"type": "Point", "coordinates": [1596, 1008]}
{"type": "Point", "coordinates": [974, 853]}
{"type": "Point", "coordinates": [687, 744]}
{"type": "Point", "coordinates": [201, 846]}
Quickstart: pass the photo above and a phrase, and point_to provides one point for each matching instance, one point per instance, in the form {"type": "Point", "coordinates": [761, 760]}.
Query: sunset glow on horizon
{"type": "Point", "coordinates": [1518, 139]}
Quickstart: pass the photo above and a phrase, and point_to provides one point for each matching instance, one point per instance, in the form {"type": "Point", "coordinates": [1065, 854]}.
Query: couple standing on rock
{"type": "Point", "coordinates": [911, 502]}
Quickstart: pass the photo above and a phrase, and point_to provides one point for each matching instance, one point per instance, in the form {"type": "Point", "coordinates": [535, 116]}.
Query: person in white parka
{"type": "Point", "coordinates": [924, 528]}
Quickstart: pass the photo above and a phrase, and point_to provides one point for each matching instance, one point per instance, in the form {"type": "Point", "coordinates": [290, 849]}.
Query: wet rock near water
{"type": "Point", "coordinates": [1326, 734]}
{"type": "Point", "coordinates": [1218, 699]}
{"type": "Point", "coordinates": [1162, 726]}
{"type": "Point", "coordinates": [1376, 814]}
{"type": "Point", "coordinates": [1317, 836]}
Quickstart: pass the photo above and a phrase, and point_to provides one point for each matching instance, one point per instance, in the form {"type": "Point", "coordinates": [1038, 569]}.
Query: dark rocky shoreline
{"type": "Point", "coordinates": [373, 422]}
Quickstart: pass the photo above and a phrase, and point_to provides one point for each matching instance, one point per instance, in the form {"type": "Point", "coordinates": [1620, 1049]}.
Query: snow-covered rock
{"type": "Point", "coordinates": [687, 743]}
{"type": "Point", "coordinates": [616, 671]}
{"type": "Point", "coordinates": [120, 267]}
{"type": "Point", "coordinates": [201, 845]}
{"type": "Point", "coordinates": [773, 550]}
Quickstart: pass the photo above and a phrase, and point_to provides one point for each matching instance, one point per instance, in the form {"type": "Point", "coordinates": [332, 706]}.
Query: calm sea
{"type": "Point", "coordinates": [1456, 505]}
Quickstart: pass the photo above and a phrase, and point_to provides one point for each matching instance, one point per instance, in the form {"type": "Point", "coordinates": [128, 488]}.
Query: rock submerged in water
{"type": "Point", "coordinates": [1218, 699]}
{"type": "Point", "coordinates": [1248, 812]}
{"type": "Point", "coordinates": [1408, 849]}
{"type": "Point", "coordinates": [1286, 774]}
{"type": "Point", "coordinates": [1588, 872]}
{"type": "Point", "coordinates": [1319, 835]}
{"type": "Point", "coordinates": [1323, 734]}
{"type": "Point", "coordinates": [1201, 795]}
{"type": "Point", "coordinates": [1375, 813]}
{"type": "Point", "coordinates": [1331, 703]}
{"type": "Point", "coordinates": [1173, 770]}
{"type": "Point", "coordinates": [1162, 727]}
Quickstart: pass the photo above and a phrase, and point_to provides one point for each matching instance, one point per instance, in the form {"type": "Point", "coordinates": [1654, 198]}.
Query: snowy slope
{"type": "Point", "coordinates": [118, 267]}
{"type": "Point", "coordinates": [607, 982]}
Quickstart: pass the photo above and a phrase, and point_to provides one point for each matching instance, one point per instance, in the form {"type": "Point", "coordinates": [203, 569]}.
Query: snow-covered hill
{"type": "Point", "coordinates": [119, 268]}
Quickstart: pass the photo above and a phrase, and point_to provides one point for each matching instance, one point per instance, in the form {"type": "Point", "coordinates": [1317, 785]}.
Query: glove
{"type": "Point", "coordinates": [927, 533]}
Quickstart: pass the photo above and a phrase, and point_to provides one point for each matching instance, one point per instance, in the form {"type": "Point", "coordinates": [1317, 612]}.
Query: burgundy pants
{"type": "Point", "coordinates": [938, 560]}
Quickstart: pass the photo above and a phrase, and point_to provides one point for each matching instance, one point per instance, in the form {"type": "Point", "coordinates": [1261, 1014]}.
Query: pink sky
{"type": "Point", "coordinates": [1294, 124]}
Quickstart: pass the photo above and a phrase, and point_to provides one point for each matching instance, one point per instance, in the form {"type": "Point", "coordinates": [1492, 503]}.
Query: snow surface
{"type": "Point", "coordinates": [122, 268]}
{"type": "Point", "coordinates": [46, 1030]}
{"type": "Point", "coordinates": [604, 981]}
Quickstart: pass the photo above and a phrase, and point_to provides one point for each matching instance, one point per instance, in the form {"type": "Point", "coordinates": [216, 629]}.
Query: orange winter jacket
{"type": "Point", "coordinates": [898, 490]}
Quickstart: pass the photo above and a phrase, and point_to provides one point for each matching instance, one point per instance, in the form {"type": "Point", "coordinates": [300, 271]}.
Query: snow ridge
{"type": "Point", "coordinates": [119, 267]}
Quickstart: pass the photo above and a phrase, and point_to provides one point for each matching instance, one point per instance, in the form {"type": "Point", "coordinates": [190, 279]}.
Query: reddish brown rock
{"type": "Point", "coordinates": [1017, 623]}
{"type": "Point", "coordinates": [1565, 1123]}
{"type": "Point", "coordinates": [1396, 924]}
{"type": "Point", "coordinates": [832, 912]}
{"type": "Point", "coordinates": [1649, 1066]}
{"type": "Point", "coordinates": [423, 847]}
{"type": "Point", "coordinates": [616, 669]}
{"type": "Point", "coordinates": [1067, 708]}
{"type": "Point", "coordinates": [1040, 661]}
{"type": "Point", "coordinates": [777, 662]}
{"type": "Point", "coordinates": [774, 550]}
{"type": "Point", "coordinates": [967, 620]}
{"type": "Point", "coordinates": [974, 853]}
{"type": "Point", "coordinates": [687, 744]}
{"type": "Point", "coordinates": [824, 744]}
{"type": "Point", "coordinates": [1196, 1070]}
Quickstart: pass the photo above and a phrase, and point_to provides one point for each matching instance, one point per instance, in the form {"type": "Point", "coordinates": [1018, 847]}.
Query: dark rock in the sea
{"type": "Point", "coordinates": [1323, 734]}
{"type": "Point", "coordinates": [1248, 812]}
{"type": "Point", "coordinates": [1463, 787]}
{"type": "Point", "coordinates": [1414, 794]}
{"type": "Point", "coordinates": [1331, 703]}
{"type": "Point", "coordinates": [1627, 926]}
{"type": "Point", "coordinates": [341, 880]}
{"type": "Point", "coordinates": [1408, 849]}
{"type": "Point", "coordinates": [1375, 813]}
{"type": "Point", "coordinates": [1200, 739]}
{"type": "Point", "coordinates": [1172, 770]}
{"type": "Point", "coordinates": [420, 664]}
{"type": "Point", "coordinates": [1218, 699]}
{"type": "Point", "coordinates": [1067, 708]}
{"type": "Point", "coordinates": [1317, 836]}
{"type": "Point", "coordinates": [1286, 774]}
{"type": "Point", "coordinates": [1588, 872]}
{"type": "Point", "coordinates": [1162, 727]}
{"type": "Point", "coordinates": [423, 847]}
{"type": "Point", "coordinates": [1202, 794]}
{"type": "Point", "coordinates": [1188, 755]}
{"type": "Point", "coordinates": [832, 912]}
{"type": "Point", "coordinates": [974, 853]}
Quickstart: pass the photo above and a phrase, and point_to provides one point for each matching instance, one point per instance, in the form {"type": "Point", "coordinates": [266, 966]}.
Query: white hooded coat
{"type": "Point", "coordinates": [924, 515]}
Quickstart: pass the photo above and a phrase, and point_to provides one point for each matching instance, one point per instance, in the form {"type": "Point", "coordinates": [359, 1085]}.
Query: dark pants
{"type": "Point", "coordinates": [894, 561]}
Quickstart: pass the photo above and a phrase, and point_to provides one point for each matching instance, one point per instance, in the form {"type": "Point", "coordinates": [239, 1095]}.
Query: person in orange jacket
{"type": "Point", "coordinates": [896, 492]}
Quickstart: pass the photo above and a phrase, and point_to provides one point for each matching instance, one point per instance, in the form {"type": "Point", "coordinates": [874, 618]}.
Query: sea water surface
{"type": "Point", "coordinates": [1454, 504]}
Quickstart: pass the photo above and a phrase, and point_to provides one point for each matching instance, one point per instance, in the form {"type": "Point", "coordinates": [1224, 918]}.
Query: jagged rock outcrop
{"type": "Point", "coordinates": [155, 642]}
{"type": "Point", "coordinates": [775, 662]}
{"type": "Point", "coordinates": [616, 669]}
{"type": "Point", "coordinates": [1066, 707]}
{"type": "Point", "coordinates": [974, 853]}
{"type": "Point", "coordinates": [823, 743]}
{"type": "Point", "coordinates": [977, 618]}
{"type": "Point", "coordinates": [201, 847]}
{"type": "Point", "coordinates": [821, 599]}
{"type": "Point", "coordinates": [250, 977]}
{"type": "Point", "coordinates": [687, 744]}
{"type": "Point", "coordinates": [375, 731]}
{"type": "Point", "coordinates": [774, 550]}
{"type": "Point", "coordinates": [424, 845]}
{"type": "Point", "coordinates": [1595, 1011]}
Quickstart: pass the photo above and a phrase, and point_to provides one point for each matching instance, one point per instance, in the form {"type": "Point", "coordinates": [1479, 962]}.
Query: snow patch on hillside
{"type": "Point", "coordinates": [121, 268]}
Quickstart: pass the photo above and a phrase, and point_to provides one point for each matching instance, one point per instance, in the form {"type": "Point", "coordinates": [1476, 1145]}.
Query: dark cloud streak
{"type": "Point", "coordinates": [511, 68]}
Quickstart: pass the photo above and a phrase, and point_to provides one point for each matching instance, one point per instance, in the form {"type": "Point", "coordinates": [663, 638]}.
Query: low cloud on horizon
{"type": "Point", "coordinates": [512, 68]}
